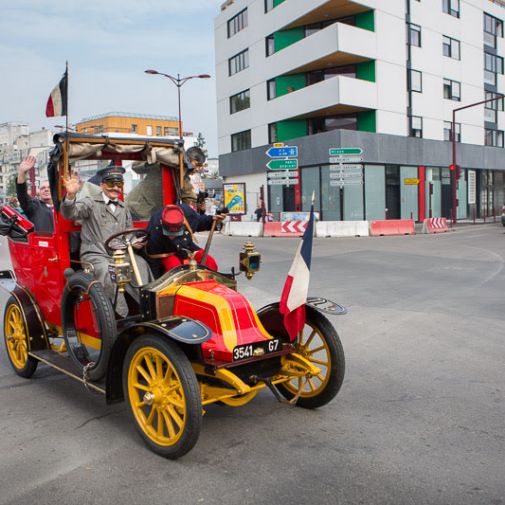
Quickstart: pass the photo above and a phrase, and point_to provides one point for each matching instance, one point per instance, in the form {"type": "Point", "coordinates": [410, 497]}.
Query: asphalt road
{"type": "Point", "coordinates": [419, 419]}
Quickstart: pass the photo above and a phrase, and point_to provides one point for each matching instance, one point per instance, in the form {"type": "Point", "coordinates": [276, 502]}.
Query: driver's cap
{"type": "Point", "coordinates": [172, 221]}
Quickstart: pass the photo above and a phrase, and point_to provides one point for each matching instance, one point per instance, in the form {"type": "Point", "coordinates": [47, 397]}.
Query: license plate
{"type": "Point", "coordinates": [256, 349]}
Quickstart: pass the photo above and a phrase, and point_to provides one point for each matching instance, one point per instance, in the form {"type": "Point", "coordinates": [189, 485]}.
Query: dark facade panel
{"type": "Point", "coordinates": [377, 148]}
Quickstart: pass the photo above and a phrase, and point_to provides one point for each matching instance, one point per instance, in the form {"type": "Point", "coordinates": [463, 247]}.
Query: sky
{"type": "Point", "coordinates": [108, 45]}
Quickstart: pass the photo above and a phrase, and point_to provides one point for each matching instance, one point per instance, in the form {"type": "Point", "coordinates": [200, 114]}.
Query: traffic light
{"type": "Point", "coordinates": [456, 170]}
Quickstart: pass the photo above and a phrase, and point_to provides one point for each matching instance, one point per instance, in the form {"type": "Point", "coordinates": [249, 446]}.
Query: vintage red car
{"type": "Point", "coordinates": [191, 340]}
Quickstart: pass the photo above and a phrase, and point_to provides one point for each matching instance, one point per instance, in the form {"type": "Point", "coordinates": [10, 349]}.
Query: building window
{"type": "Point", "coordinates": [271, 89]}
{"type": "Point", "coordinates": [272, 133]}
{"type": "Point", "coordinates": [493, 138]}
{"type": "Point", "coordinates": [448, 131]}
{"type": "Point", "coordinates": [149, 130]}
{"type": "Point", "coordinates": [158, 131]}
{"type": "Point", "coordinates": [493, 28]}
{"type": "Point", "coordinates": [134, 128]}
{"type": "Point", "coordinates": [269, 5]}
{"type": "Point", "coordinates": [173, 131]}
{"type": "Point", "coordinates": [321, 75]}
{"type": "Point", "coordinates": [451, 7]}
{"type": "Point", "coordinates": [416, 126]}
{"type": "Point", "coordinates": [493, 65]}
{"type": "Point", "coordinates": [238, 62]}
{"type": "Point", "coordinates": [329, 123]}
{"type": "Point", "coordinates": [241, 141]}
{"type": "Point", "coordinates": [269, 45]}
{"type": "Point", "coordinates": [414, 34]}
{"type": "Point", "coordinates": [452, 90]}
{"type": "Point", "coordinates": [237, 23]}
{"type": "Point", "coordinates": [451, 48]}
{"type": "Point", "coordinates": [415, 81]}
{"type": "Point", "coordinates": [240, 101]}
{"type": "Point", "coordinates": [165, 131]}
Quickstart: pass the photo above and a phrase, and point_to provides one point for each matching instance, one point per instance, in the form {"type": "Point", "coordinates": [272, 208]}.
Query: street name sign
{"type": "Point", "coordinates": [278, 182]}
{"type": "Point", "coordinates": [279, 174]}
{"type": "Point", "coordinates": [343, 175]}
{"type": "Point", "coordinates": [336, 151]}
{"type": "Point", "coordinates": [340, 182]}
{"type": "Point", "coordinates": [282, 164]}
{"type": "Point", "coordinates": [346, 159]}
{"type": "Point", "coordinates": [282, 152]}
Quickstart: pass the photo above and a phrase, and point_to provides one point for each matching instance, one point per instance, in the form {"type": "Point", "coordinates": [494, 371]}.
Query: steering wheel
{"type": "Point", "coordinates": [123, 239]}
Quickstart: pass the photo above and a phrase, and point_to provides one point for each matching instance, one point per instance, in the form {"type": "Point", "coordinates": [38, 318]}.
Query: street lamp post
{"type": "Point", "coordinates": [179, 82]}
{"type": "Point", "coordinates": [454, 171]}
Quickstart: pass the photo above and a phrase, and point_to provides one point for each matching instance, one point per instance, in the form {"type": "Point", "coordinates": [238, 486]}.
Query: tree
{"type": "Point", "coordinates": [201, 140]}
{"type": "Point", "coordinates": [10, 187]}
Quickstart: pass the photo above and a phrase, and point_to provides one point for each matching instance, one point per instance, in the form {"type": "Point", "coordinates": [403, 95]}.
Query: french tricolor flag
{"type": "Point", "coordinates": [57, 101]}
{"type": "Point", "coordinates": [294, 294]}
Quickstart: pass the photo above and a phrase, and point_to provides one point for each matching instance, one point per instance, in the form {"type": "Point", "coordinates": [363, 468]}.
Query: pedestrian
{"type": "Point", "coordinates": [259, 213]}
{"type": "Point", "coordinates": [39, 210]}
{"type": "Point", "coordinates": [100, 217]}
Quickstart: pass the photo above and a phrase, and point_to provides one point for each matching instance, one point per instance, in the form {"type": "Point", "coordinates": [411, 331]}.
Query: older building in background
{"type": "Point", "coordinates": [380, 76]}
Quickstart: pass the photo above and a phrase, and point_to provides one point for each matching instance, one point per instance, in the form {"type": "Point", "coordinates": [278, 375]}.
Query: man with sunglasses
{"type": "Point", "coordinates": [101, 216]}
{"type": "Point", "coordinates": [146, 197]}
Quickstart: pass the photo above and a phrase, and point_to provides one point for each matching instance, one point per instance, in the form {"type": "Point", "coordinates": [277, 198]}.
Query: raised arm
{"type": "Point", "coordinates": [70, 208]}
{"type": "Point", "coordinates": [25, 201]}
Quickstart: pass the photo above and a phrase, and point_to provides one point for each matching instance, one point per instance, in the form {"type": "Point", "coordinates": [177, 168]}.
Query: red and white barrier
{"type": "Point", "coordinates": [297, 227]}
{"type": "Point", "coordinates": [435, 225]}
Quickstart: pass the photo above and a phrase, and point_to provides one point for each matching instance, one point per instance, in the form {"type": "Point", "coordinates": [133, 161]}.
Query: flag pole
{"type": "Point", "coordinates": [66, 167]}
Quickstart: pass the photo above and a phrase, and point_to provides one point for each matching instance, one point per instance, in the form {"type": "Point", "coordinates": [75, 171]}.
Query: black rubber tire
{"type": "Point", "coordinates": [79, 283]}
{"type": "Point", "coordinates": [31, 363]}
{"type": "Point", "coordinates": [189, 383]}
{"type": "Point", "coordinates": [327, 332]}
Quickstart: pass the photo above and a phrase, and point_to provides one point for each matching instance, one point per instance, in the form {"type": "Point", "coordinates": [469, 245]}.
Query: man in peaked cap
{"type": "Point", "coordinates": [101, 216]}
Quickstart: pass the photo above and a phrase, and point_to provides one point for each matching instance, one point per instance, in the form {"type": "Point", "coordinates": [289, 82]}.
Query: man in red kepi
{"type": "Point", "coordinates": [171, 236]}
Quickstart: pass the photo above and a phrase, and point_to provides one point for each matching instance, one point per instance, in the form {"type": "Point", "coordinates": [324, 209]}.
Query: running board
{"type": "Point", "coordinates": [65, 365]}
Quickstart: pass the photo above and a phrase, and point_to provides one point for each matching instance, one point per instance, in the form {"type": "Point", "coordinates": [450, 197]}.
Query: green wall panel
{"type": "Point", "coordinates": [296, 81]}
{"type": "Point", "coordinates": [366, 70]}
{"type": "Point", "coordinates": [366, 121]}
{"type": "Point", "coordinates": [290, 129]}
{"type": "Point", "coordinates": [285, 38]}
{"type": "Point", "coordinates": [277, 2]}
{"type": "Point", "coordinates": [366, 20]}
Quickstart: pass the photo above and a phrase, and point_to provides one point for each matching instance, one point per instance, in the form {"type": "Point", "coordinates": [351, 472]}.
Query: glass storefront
{"type": "Point", "coordinates": [391, 192]}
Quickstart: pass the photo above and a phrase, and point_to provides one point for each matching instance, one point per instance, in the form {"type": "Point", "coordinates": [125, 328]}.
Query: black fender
{"type": "Point", "coordinates": [188, 333]}
{"type": "Point", "coordinates": [272, 319]}
{"type": "Point", "coordinates": [37, 334]}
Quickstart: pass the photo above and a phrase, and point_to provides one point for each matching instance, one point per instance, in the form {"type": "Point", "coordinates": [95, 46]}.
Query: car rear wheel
{"type": "Point", "coordinates": [89, 325]}
{"type": "Point", "coordinates": [163, 396]}
{"type": "Point", "coordinates": [16, 340]}
{"type": "Point", "coordinates": [319, 343]}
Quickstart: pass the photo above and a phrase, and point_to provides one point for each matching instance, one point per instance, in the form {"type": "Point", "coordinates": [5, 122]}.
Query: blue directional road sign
{"type": "Point", "coordinates": [282, 152]}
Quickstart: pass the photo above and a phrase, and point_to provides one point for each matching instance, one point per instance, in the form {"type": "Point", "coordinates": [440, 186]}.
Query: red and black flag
{"type": "Point", "coordinates": [58, 99]}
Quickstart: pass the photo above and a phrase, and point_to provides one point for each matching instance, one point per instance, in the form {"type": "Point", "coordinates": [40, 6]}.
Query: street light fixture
{"type": "Point", "coordinates": [454, 167]}
{"type": "Point", "coordinates": [179, 82]}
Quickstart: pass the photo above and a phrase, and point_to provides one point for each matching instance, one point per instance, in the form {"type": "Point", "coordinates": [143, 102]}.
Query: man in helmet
{"type": "Point", "coordinates": [171, 237]}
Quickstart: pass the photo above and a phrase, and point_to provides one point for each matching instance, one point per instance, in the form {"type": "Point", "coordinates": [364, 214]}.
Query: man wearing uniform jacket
{"type": "Point", "coordinates": [38, 210]}
{"type": "Point", "coordinates": [101, 216]}
{"type": "Point", "coordinates": [171, 236]}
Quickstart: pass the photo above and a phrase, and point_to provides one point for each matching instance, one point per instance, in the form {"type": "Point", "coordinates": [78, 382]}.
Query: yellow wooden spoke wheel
{"type": "Point", "coordinates": [16, 340]}
{"type": "Point", "coordinates": [163, 395]}
{"type": "Point", "coordinates": [319, 343]}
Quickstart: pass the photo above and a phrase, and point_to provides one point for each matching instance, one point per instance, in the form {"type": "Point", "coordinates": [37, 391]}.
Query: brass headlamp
{"type": "Point", "coordinates": [249, 260]}
{"type": "Point", "coordinates": [119, 270]}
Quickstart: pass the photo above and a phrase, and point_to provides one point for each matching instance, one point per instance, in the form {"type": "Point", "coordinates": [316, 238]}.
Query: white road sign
{"type": "Point", "coordinates": [345, 159]}
{"type": "Point", "coordinates": [277, 182]}
{"type": "Point", "coordinates": [282, 174]}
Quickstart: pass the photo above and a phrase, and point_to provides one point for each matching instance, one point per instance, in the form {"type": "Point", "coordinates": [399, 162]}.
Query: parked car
{"type": "Point", "coordinates": [191, 340]}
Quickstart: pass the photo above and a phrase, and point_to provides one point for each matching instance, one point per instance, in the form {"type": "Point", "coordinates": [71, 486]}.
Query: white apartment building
{"type": "Point", "coordinates": [381, 75]}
